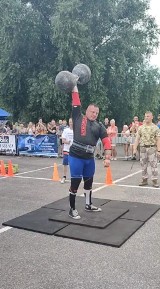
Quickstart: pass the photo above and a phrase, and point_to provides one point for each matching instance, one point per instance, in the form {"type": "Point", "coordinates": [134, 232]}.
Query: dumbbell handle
{"type": "Point", "coordinates": [75, 89]}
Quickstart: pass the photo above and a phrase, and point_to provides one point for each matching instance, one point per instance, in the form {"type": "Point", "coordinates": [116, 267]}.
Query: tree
{"type": "Point", "coordinates": [42, 37]}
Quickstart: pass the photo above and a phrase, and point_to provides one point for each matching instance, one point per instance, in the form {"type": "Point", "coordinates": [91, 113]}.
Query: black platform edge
{"type": "Point", "coordinates": [27, 227]}
{"type": "Point", "coordinates": [31, 230]}
{"type": "Point", "coordinates": [141, 220]}
{"type": "Point", "coordinates": [73, 222]}
{"type": "Point", "coordinates": [100, 243]}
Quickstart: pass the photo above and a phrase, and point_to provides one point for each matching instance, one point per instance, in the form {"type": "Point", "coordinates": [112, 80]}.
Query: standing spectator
{"type": "Point", "coordinates": [112, 132]}
{"type": "Point", "coordinates": [22, 129]}
{"type": "Point", "coordinates": [30, 128]}
{"type": "Point", "coordinates": [133, 129]}
{"type": "Point", "coordinates": [67, 140]}
{"type": "Point", "coordinates": [59, 135]}
{"type": "Point", "coordinates": [41, 127]}
{"type": "Point", "coordinates": [99, 150]}
{"type": "Point", "coordinates": [148, 136]}
{"type": "Point", "coordinates": [8, 128]}
{"type": "Point", "coordinates": [136, 122]}
{"type": "Point", "coordinates": [51, 127]}
{"type": "Point", "coordinates": [59, 127]}
{"type": "Point", "coordinates": [106, 122]}
{"type": "Point", "coordinates": [62, 126]}
{"type": "Point", "coordinates": [14, 129]}
{"type": "Point", "coordinates": [126, 138]}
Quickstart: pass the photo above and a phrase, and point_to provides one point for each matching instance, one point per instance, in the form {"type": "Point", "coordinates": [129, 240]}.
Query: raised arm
{"type": "Point", "coordinates": [76, 104]}
{"type": "Point", "coordinates": [75, 97]}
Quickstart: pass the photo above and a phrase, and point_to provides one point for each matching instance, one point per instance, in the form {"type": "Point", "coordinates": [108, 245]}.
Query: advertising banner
{"type": "Point", "coordinates": [40, 145]}
{"type": "Point", "coordinates": [8, 144]}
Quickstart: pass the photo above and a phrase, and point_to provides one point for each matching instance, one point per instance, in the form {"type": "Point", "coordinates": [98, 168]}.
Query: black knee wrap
{"type": "Point", "coordinates": [88, 183]}
{"type": "Point", "coordinates": [75, 182]}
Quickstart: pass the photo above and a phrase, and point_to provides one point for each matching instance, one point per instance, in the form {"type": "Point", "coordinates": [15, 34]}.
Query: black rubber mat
{"type": "Point", "coordinates": [137, 211]}
{"type": "Point", "coordinates": [37, 221]}
{"type": "Point", "coordinates": [117, 222]}
{"type": "Point", "coordinates": [91, 219]}
{"type": "Point", "coordinates": [114, 235]}
{"type": "Point", "coordinates": [63, 204]}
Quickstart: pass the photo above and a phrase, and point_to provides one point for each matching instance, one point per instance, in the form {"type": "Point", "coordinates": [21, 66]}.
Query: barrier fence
{"type": "Point", "coordinates": [40, 145]}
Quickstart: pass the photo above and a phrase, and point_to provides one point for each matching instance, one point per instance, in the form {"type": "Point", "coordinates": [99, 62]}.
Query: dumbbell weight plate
{"type": "Point", "coordinates": [65, 81]}
{"type": "Point", "coordinates": [83, 72]}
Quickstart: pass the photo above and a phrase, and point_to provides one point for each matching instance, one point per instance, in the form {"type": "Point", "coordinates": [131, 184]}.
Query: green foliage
{"type": "Point", "coordinates": [113, 37]}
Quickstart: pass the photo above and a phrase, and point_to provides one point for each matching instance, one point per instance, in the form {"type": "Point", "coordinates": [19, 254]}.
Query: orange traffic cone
{"type": "Point", "coordinates": [55, 173]}
{"type": "Point", "coordinates": [3, 171]}
{"type": "Point", "coordinates": [10, 169]}
{"type": "Point", "coordinates": [109, 177]}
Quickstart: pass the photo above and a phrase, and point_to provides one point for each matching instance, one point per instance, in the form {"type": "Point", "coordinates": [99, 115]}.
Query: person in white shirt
{"type": "Point", "coordinates": [67, 139]}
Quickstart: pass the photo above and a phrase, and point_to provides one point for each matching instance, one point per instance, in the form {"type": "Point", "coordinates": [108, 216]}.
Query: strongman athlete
{"type": "Point", "coordinates": [87, 131]}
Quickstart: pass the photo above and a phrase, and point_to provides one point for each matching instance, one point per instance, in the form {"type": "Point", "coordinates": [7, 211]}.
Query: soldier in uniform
{"type": "Point", "coordinates": [148, 137]}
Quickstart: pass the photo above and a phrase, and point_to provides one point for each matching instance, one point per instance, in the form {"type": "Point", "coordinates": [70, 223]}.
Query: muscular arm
{"type": "Point", "coordinates": [75, 97]}
{"type": "Point", "coordinates": [76, 103]}
{"type": "Point", "coordinates": [107, 148]}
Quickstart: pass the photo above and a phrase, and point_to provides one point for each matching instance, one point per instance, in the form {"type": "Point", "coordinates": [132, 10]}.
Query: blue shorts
{"type": "Point", "coordinates": [81, 167]}
{"type": "Point", "coordinates": [65, 160]}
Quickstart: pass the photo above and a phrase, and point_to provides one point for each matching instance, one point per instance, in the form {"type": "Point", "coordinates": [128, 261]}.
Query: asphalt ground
{"type": "Point", "coordinates": [36, 261]}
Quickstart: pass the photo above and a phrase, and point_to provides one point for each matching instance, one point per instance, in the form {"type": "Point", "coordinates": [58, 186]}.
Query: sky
{"type": "Point", "coordinates": [155, 11]}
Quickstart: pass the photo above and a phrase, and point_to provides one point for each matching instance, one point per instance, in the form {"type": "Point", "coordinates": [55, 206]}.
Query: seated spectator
{"type": "Point", "coordinates": [40, 127]}
{"type": "Point", "coordinates": [112, 134]}
{"type": "Point", "coordinates": [31, 128]}
{"type": "Point", "coordinates": [126, 139]}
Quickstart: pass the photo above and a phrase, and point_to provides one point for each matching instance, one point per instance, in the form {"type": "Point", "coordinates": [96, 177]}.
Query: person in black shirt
{"type": "Point", "coordinates": [51, 127]}
{"type": "Point", "coordinates": [106, 122]}
{"type": "Point", "coordinates": [86, 131]}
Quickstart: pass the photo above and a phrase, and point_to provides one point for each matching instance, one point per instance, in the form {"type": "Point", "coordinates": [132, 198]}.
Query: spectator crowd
{"type": "Point", "coordinates": [126, 136]}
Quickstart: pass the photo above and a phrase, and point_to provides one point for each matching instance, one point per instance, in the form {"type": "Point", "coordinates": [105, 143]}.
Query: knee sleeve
{"type": "Point", "coordinates": [88, 183]}
{"type": "Point", "coordinates": [75, 182]}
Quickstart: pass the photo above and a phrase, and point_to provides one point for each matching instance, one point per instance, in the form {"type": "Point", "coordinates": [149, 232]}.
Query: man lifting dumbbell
{"type": "Point", "coordinates": [87, 131]}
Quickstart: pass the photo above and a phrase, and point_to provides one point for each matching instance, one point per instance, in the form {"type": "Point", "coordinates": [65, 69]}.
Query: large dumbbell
{"type": "Point", "coordinates": [66, 80]}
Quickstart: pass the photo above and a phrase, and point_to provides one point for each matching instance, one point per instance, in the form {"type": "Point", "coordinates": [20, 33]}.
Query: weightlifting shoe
{"type": "Point", "coordinates": [91, 208]}
{"type": "Point", "coordinates": [155, 184]}
{"type": "Point", "coordinates": [74, 214]}
{"type": "Point", "coordinates": [144, 182]}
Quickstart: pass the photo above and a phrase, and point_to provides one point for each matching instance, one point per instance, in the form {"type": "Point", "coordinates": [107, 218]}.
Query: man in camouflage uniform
{"type": "Point", "coordinates": [148, 137]}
